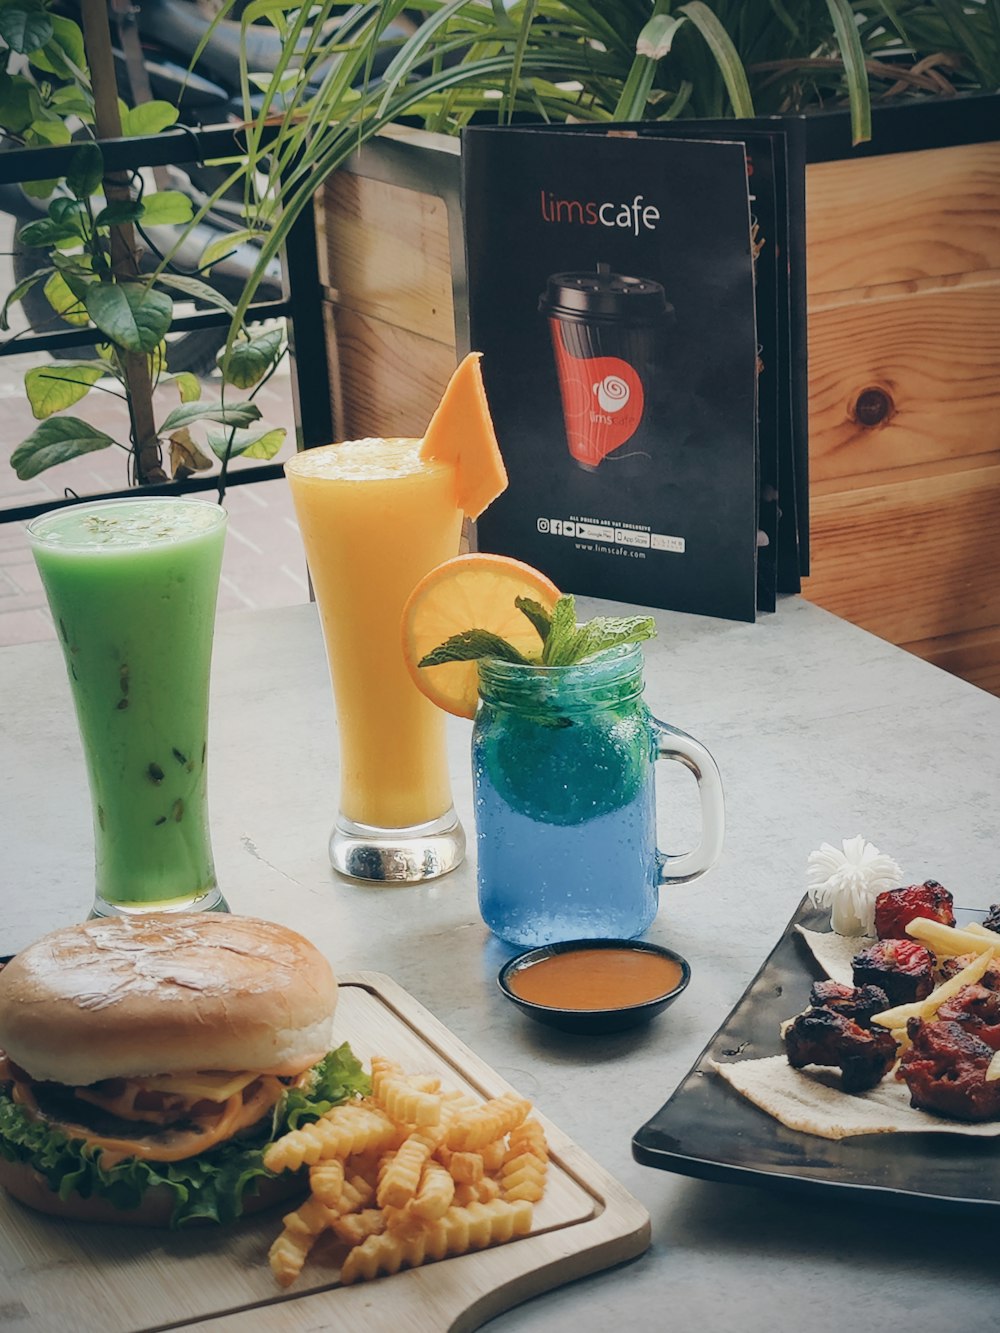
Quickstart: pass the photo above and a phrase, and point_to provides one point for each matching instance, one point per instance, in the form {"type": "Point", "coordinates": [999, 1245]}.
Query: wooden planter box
{"type": "Point", "coordinates": [904, 380]}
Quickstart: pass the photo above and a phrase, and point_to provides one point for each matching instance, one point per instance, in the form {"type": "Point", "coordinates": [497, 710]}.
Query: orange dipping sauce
{"type": "Point", "coordinates": [596, 979]}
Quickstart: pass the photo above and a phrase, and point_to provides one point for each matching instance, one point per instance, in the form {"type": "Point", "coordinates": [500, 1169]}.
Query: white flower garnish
{"type": "Point", "coordinates": [849, 881]}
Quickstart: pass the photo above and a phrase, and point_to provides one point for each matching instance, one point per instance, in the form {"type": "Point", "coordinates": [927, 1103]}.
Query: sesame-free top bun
{"type": "Point", "coordinates": [122, 997]}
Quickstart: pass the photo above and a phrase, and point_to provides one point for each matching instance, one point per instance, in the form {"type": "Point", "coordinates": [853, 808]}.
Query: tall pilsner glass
{"type": "Point", "coordinates": [375, 517]}
{"type": "Point", "coordinates": [132, 585]}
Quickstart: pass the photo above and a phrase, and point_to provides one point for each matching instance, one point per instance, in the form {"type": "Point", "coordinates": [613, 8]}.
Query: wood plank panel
{"type": "Point", "coordinates": [384, 251]}
{"type": "Point", "coordinates": [974, 655]}
{"type": "Point", "coordinates": [927, 362]}
{"type": "Point", "coordinates": [390, 379]}
{"type": "Point", "coordinates": [903, 216]}
{"type": "Point", "coordinates": [914, 559]}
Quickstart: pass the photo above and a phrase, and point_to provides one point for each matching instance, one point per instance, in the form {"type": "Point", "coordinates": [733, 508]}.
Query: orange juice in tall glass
{"type": "Point", "coordinates": [375, 517]}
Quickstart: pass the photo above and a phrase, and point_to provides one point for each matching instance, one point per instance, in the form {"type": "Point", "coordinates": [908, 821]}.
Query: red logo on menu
{"type": "Point", "coordinates": [602, 402]}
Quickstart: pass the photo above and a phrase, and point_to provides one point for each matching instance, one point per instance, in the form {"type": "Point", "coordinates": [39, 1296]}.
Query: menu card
{"type": "Point", "coordinates": [631, 290]}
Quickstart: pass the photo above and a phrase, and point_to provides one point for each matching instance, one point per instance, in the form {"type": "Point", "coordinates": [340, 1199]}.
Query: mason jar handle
{"type": "Point", "coordinates": [671, 743]}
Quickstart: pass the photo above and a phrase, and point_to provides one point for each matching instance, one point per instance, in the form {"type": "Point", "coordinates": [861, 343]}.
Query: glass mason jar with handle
{"type": "Point", "coordinates": [563, 771]}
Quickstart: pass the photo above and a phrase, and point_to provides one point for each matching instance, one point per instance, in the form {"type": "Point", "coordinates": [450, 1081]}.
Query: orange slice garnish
{"type": "Point", "coordinates": [474, 591]}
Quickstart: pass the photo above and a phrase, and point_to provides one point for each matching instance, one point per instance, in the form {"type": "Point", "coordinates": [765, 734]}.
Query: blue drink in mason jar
{"type": "Point", "coordinates": [563, 771]}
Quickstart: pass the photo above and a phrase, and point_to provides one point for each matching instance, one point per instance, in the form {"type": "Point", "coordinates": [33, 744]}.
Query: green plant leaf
{"type": "Point", "coordinates": [56, 441]}
{"type": "Point", "coordinates": [223, 246]}
{"type": "Point", "coordinates": [65, 302]}
{"type": "Point", "coordinates": [71, 101]}
{"type": "Point", "coordinates": [471, 645]}
{"type": "Point", "coordinates": [19, 102]}
{"type": "Point", "coordinates": [63, 55]}
{"type": "Point", "coordinates": [263, 444]}
{"type": "Point", "coordinates": [234, 414]}
{"type": "Point", "coordinates": [25, 26]}
{"type": "Point", "coordinates": [46, 232]}
{"type": "Point", "coordinates": [849, 41]}
{"type": "Point", "coordinates": [166, 208]}
{"type": "Point", "coordinates": [188, 386]}
{"type": "Point", "coordinates": [726, 55]}
{"type": "Point", "coordinates": [18, 292]}
{"type": "Point", "coordinates": [86, 171]}
{"type": "Point", "coordinates": [52, 389]}
{"type": "Point", "coordinates": [68, 212]}
{"type": "Point", "coordinates": [48, 129]}
{"type": "Point", "coordinates": [248, 362]}
{"type": "Point", "coordinates": [654, 42]}
{"type": "Point", "coordinates": [131, 314]}
{"type": "Point", "coordinates": [148, 118]}
{"type": "Point", "coordinates": [195, 289]}
{"type": "Point", "coordinates": [118, 212]}
{"type": "Point", "coordinates": [537, 614]}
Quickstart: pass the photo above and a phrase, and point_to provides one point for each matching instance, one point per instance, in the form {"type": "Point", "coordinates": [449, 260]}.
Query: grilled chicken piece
{"type": "Point", "coordinates": [992, 921]}
{"type": "Point", "coordinates": [990, 979]}
{"type": "Point", "coordinates": [856, 1002]}
{"type": "Point", "coordinates": [896, 908]}
{"type": "Point", "coordinates": [904, 969]}
{"type": "Point", "coordinates": [945, 1071]}
{"type": "Point", "coordinates": [977, 1008]}
{"type": "Point", "coordinates": [822, 1036]}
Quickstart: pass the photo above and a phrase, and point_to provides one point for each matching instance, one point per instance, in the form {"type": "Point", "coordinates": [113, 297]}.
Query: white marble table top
{"type": "Point", "coordinates": [821, 732]}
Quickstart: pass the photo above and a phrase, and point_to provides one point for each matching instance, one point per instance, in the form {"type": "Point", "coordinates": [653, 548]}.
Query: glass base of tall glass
{"type": "Point", "coordinates": [404, 855]}
{"type": "Point", "coordinates": [212, 901]}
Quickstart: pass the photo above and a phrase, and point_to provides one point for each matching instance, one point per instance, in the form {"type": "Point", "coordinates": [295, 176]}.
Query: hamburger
{"type": "Point", "coordinates": [146, 1063]}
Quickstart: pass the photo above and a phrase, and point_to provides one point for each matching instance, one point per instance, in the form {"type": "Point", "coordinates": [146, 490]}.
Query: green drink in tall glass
{"type": "Point", "coordinates": [132, 585]}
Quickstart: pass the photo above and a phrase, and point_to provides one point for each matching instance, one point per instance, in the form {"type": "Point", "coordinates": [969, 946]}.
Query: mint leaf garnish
{"type": "Point", "coordinates": [558, 644]}
{"type": "Point", "coordinates": [537, 614]}
{"type": "Point", "coordinates": [605, 632]}
{"type": "Point", "coordinates": [469, 646]}
{"type": "Point", "coordinates": [564, 642]}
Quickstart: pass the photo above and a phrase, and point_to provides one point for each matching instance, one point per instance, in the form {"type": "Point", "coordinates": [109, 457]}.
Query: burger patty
{"type": "Point", "coordinates": [166, 1135]}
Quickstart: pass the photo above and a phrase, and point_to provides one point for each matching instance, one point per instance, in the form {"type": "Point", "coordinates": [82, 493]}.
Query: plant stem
{"type": "Point", "coordinates": [148, 459]}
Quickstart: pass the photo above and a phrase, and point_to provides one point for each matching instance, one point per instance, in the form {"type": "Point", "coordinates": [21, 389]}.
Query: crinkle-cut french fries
{"type": "Point", "coordinates": [410, 1099]}
{"type": "Point", "coordinates": [949, 942]}
{"type": "Point", "coordinates": [490, 1121]}
{"type": "Point", "coordinates": [288, 1254]}
{"type": "Point", "coordinates": [398, 1183]}
{"type": "Point", "coordinates": [926, 1009]}
{"type": "Point", "coordinates": [526, 1165]}
{"type": "Point", "coordinates": [461, 1229]}
{"type": "Point", "coordinates": [349, 1128]}
{"type": "Point", "coordinates": [482, 1191]}
{"type": "Point", "coordinates": [326, 1179]}
{"type": "Point", "coordinates": [465, 1181]}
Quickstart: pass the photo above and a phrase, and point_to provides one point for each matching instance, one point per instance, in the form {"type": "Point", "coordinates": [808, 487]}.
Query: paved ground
{"type": "Point", "coordinates": [263, 564]}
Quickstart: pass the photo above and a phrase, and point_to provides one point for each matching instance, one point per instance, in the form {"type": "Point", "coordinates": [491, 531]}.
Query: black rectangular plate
{"type": "Point", "coordinates": [707, 1129]}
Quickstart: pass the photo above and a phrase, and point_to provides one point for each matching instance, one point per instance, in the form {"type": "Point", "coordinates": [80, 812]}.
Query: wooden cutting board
{"type": "Point", "coordinates": [57, 1275]}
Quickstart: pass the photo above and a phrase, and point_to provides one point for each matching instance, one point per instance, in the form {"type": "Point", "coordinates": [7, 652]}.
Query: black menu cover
{"type": "Point", "coordinates": [612, 292]}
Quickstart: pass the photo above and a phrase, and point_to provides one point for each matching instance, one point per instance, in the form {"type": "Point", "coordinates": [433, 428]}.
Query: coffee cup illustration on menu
{"type": "Point", "coordinates": [608, 339]}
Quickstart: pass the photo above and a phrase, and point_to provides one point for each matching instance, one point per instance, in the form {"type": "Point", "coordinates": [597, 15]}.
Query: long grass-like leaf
{"type": "Point", "coordinates": [842, 15]}
{"type": "Point", "coordinates": [653, 44]}
{"type": "Point", "coordinates": [726, 56]}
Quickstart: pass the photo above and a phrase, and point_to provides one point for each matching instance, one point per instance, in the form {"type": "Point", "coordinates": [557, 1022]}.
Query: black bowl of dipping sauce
{"type": "Point", "coordinates": [594, 986]}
